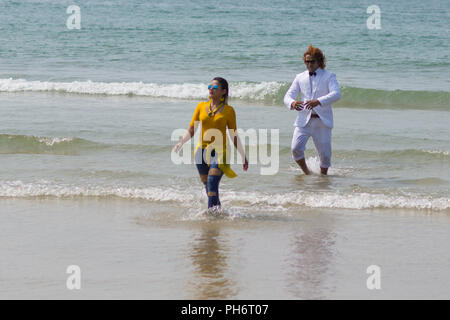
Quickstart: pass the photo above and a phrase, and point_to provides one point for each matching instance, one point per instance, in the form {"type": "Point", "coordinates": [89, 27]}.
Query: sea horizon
{"type": "Point", "coordinates": [94, 204]}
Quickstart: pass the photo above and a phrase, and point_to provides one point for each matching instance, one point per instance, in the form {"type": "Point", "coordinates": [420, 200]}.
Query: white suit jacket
{"type": "Point", "coordinates": [326, 91]}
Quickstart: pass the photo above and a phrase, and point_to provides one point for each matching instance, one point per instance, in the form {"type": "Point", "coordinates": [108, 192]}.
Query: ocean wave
{"type": "Point", "coordinates": [411, 154]}
{"type": "Point", "coordinates": [240, 90]}
{"type": "Point", "coordinates": [341, 200]}
{"type": "Point", "coordinates": [259, 200]}
{"type": "Point", "coordinates": [437, 152]}
{"type": "Point", "coordinates": [14, 144]}
{"type": "Point", "coordinates": [394, 99]}
{"type": "Point", "coordinates": [23, 144]}
{"type": "Point", "coordinates": [260, 92]}
{"type": "Point", "coordinates": [19, 189]}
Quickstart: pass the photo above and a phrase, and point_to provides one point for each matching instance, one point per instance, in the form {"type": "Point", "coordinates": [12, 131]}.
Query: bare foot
{"type": "Point", "coordinates": [303, 166]}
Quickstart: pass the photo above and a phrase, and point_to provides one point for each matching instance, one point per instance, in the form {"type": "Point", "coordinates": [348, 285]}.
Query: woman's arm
{"type": "Point", "coordinates": [232, 129]}
{"type": "Point", "coordinates": [238, 145]}
{"type": "Point", "coordinates": [190, 131]}
{"type": "Point", "coordinates": [187, 136]}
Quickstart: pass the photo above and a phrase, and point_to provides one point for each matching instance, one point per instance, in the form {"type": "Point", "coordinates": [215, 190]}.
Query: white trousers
{"type": "Point", "coordinates": [321, 135]}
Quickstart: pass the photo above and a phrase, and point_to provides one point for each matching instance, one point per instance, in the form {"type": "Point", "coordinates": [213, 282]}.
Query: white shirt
{"type": "Point", "coordinates": [313, 84]}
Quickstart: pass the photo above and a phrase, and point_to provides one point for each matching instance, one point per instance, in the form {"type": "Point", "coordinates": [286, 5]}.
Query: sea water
{"type": "Point", "coordinates": [87, 176]}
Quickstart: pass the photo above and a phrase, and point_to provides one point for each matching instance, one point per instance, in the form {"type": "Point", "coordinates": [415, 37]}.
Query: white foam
{"type": "Point", "coordinates": [339, 200]}
{"type": "Point", "coordinates": [445, 153]}
{"type": "Point", "coordinates": [241, 90]}
{"type": "Point", "coordinates": [47, 189]}
{"type": "Point", "coordinates": [254, 91]}
{"type": "Point", "coordinates": [52, 141]}
{"type": "Point", "coordinates": [313, 164]}
{"type": "Point", "coordinates": [254, 200]}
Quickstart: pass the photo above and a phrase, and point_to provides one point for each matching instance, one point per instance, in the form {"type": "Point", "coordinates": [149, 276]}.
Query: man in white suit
{"type": "Point", "coordinates": [319, 89]}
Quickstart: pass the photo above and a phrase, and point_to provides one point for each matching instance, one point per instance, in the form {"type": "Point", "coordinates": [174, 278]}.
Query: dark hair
{"type": "Point", "coordinates": [317, 54]}
{"type": "Point", "coordinates": [224, 84]}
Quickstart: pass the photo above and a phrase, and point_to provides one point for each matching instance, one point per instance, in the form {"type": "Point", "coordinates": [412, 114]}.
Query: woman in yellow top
{"type": "Point", "coordinates": [215, 116]}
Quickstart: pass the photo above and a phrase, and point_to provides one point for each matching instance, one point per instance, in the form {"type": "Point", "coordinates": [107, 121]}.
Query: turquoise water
{"type": "Point", "coordinates": [118, 88]}
{"type": "Point", "coordinates": [86, 176]}
{"type": "Point", "coordinates": [190, 41]}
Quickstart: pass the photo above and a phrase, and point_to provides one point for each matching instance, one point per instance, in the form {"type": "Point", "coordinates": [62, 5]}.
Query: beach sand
{"type": "Point", "coordinates": [135, 249]}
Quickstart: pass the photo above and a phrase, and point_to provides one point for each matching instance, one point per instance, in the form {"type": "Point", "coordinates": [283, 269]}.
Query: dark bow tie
{"type": "Point", "coordinates": [312, 74]}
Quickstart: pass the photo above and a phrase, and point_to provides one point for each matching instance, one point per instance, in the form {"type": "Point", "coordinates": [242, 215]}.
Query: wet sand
{"type": "Point", "coordinates": [142, 250]}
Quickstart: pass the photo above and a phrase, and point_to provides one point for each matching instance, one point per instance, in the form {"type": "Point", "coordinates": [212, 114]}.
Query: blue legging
{"type": "Point", "coordinates": [212, 183]}
{"type": "Point", "coordinates": [213, 186]}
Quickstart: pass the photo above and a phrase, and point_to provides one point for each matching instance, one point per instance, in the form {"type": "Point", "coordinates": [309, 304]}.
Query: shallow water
{"type": "Point", "coordinates": [79, 146]}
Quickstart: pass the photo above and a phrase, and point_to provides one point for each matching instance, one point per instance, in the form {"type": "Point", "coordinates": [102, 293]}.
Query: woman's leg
{"type": "Point", "coordinates": [204, 178]}
{"type": "Point", "coordinates": [202, 168]}
{"type": "Point", "coordinates": [214, 176]}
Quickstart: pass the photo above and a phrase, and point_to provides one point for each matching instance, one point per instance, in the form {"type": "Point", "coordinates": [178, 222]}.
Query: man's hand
{"type": "Point", "coordinates": [311, 104]}
{"type": "Point", "coordinates": [297, 105]}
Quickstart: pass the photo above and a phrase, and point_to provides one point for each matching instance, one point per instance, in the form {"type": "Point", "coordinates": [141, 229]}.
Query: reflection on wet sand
{"type": "Point", "coordinates": [309, 261]}
{"type": "Point", "coordinates": [209, 255]}
{"type": "Point", "coordinates": [315, 182]}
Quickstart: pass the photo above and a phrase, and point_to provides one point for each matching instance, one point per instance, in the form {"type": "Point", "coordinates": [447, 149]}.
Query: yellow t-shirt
{"type": "Point", "coordinates": [220, 122]}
